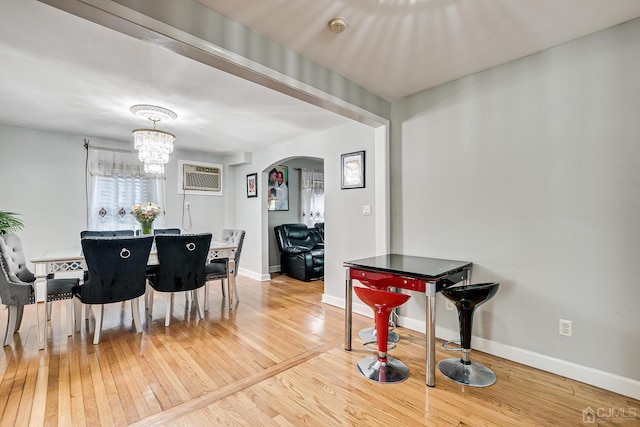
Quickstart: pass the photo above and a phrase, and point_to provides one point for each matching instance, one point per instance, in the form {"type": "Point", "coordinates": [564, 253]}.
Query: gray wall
{"type": "Point", "coordinates": [531, 171]}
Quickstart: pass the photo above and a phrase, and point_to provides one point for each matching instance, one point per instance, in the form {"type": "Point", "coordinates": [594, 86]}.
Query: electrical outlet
{"type": "Point", "coordinates": [449, 305]}
{"type": "Point", "coordinates": [565, 327]}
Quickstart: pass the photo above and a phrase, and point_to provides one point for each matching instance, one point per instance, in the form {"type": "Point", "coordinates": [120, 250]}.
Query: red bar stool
{"type": "Point", "coordinates": [463, 370]}
{"type": "Point", "coordinates": [369, 335]}
{"type": "Point", "coordinates": [381, 368]}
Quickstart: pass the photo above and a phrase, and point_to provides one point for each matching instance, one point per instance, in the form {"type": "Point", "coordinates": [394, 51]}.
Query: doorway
{"type": "Point", "coordinates": [294, 214]}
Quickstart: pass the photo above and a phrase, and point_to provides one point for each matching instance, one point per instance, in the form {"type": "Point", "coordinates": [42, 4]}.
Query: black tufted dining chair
{"type": "Point", "coordinates": [105, 233]}
{"type": "Point", "coordinates": [181, 261]}
{"type": "Point", "coordinates": [116, 272]}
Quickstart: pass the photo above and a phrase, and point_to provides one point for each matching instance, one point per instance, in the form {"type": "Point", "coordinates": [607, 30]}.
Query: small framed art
{"type": "Point", "coordinates": [252, 185]}
{"type": "Point", "coordinates": [352, 170]}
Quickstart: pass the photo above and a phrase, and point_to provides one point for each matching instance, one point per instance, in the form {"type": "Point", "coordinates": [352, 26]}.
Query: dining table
{"type": "Point", "coordinates": [70, 260]}
{"type": "Point", "coordinates": [414, 273]}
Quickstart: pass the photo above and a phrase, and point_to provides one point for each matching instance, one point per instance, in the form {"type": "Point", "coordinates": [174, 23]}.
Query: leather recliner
{"type": "Point", "coordinates": [301, 251]}
{"type": "Point", "coordinates": [320, 227]}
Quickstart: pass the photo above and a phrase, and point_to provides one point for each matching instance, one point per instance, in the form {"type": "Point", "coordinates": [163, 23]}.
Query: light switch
{"type": "Point", "coordinates": [366, 210]}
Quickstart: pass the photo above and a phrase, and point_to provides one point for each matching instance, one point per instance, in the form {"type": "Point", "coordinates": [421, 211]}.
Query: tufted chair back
{"type": "Point", "coordinates": [181, 262]}
{"type": "Point", "coordinates": [236, 237]}
{"type": "Point", "coordinates": [16, 281]}
{"type": "Point", "coordinates": [106, 233]}
{"type": "Point", "coordinates": [117, 268]}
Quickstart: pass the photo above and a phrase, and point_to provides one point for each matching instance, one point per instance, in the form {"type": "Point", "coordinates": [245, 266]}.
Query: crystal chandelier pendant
{"type": "Point", "coordinates": [154, 146]}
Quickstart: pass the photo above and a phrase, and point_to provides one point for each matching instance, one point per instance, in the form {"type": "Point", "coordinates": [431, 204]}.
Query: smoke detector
{"type": "Point", "coordinates": [337, 24]}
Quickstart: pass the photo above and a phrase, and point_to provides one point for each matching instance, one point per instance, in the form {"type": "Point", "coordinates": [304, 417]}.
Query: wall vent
{"type": "Point", "coordinates": [200, 178]}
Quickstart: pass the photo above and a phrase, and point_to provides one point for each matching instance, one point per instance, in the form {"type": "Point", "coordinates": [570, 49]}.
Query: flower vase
{"type": "Point", "coordinates": [147, 228]}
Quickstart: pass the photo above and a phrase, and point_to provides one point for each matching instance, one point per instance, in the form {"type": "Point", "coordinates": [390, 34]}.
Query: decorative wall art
{"type": "Point", "coordinates": [278, 189]}
{"type": "Point", "coordinates": [252, 185]}
{"type": "Point", "coordinates": [352, 170]}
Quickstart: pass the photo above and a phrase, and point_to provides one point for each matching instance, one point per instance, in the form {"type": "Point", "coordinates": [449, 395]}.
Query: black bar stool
{"type": "Point", "coordinates": [463, 370]}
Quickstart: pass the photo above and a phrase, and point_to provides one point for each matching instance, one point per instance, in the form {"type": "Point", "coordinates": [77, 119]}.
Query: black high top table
{"type": "Point", "coordinates": [425, 275]}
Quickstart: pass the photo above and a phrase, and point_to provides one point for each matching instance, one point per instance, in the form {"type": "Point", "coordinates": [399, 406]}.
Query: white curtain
{"type": "Point", "coordinates": [116, 181]}
{"type": "Point", "coordinates": [311, 196]}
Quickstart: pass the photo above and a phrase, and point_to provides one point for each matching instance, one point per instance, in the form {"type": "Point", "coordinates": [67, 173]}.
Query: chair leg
{"type": "Point", "coordinates": [19, 318]}
{"type": "Point", "coordinates": [12, 311]}
{"type": "Point", "coordinates": [149, 298]}
{"type": "Point", "coordinates": [235, 291]}
{"type": "Point", "coordinates": [199, 303]}
{"type": "Point", "coordinates": [78, 314]}
{"type": "Point", "coordinates": [167, 318]}
{"type": "Point", "coordinates": [224, 294]}
{"type": "Point", "coordinates": [49, 310]}
{"type": "Point", "coordinates": [98, 315]}
{"type": "Point", "coordinates": [206, 296]}
{"type": "Point", "coordinates": [70, 317]}
{"type": "Point", "coordinates": [135, 310]}
{"type": "Point", "coordinates": [87, 309]}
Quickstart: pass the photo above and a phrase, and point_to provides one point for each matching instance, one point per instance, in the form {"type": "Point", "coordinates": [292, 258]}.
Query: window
{"type": "Point", "coordinates": [312, 197]}
{"type": "Point", "coordinates": [117, 181]}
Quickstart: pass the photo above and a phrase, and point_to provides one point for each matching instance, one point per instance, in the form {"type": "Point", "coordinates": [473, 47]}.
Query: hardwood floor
{"type": "Point", "coordinates": [276, 359]}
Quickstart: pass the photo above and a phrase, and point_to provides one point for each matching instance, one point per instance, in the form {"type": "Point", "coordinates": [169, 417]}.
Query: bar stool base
{"type": "Point", "coordinates": [369, 334]}
{"type": "Point", "coordinates": [391, 371]}
{"type": "Point", "coordinates": [474, 374]}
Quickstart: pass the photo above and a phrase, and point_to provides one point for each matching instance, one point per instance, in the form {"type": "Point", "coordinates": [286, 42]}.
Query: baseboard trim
{"type": "Point", "coordinates": [595, 377]}
{"type": "Point", "coordinates": [253, 275]}
{"type": "Point", "coordinates": [274, 268]}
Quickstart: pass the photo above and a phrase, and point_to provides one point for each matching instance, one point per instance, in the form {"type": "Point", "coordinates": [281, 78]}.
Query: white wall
{"type": "Point", "coordinates": [43, 179]}
{"type": "Point", "coordinates": [348, 234]}
{"type": "Point", "coordinates": [532, 171]}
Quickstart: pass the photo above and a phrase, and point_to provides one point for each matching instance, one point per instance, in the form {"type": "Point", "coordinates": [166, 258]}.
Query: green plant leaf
{"type": "Point", "coordinates": [9, 223]}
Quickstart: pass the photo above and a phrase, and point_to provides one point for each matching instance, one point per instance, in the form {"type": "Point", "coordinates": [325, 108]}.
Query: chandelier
{"type": "Point", "coordinates": [154, 146]}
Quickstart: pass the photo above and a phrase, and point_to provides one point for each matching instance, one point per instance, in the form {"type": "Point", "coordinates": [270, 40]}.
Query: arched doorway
{"type": "Point", "coordinates": [293, 213]}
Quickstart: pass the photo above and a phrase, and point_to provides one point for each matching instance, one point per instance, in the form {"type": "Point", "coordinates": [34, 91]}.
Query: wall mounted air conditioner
{"type": "Point", "coordinates": [199, 178]}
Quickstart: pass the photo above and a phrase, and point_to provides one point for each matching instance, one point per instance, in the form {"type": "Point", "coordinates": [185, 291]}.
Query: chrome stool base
{"type": "Point", "coordinates": [369, 334]}
{"type": "Point", "coordinates": [391, 371]}
{"type": "Point", "coordinates": [473, 374]}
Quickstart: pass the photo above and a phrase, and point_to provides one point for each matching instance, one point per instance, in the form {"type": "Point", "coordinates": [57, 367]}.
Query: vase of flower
{"type": "Point", "coordinates": [146, 213]}
{"type": "Point", "coordinates": [147, 227]}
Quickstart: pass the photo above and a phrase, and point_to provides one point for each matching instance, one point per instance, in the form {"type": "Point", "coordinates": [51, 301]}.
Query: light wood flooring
{"type": "Point", "coordinates": [277, 359]}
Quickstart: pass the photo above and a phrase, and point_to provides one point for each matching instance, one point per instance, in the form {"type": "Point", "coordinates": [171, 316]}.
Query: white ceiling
{"type": "Point", "coordinates": [396, 48]}
{"type": "Point", "coordinates": [60, 72]}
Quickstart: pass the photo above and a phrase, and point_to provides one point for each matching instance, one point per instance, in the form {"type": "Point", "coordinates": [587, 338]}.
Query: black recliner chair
{"type": "Point", "coordinates": [320, 227]}
{"type": "Point", "coordinates": [301, 251]}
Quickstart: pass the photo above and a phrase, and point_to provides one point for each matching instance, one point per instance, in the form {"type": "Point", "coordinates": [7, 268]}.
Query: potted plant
{"type": "Point", "coordinates": [9, 223]}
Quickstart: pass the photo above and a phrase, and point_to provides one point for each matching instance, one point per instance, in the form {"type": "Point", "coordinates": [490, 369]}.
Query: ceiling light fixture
{"type": "Point", "coordinates": [154, 146]}
{"type": "Point", "coordinates": [337, 24]}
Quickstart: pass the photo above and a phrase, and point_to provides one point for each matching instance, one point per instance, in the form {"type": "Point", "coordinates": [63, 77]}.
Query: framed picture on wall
{"type": "Point", "coordinates": [352, 170]}
{"type": "Point", "coordinates": [278, 189]}
{"type": "Point", "coordinates": [252, 185]}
